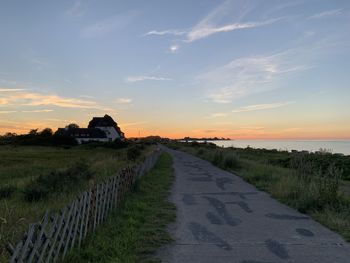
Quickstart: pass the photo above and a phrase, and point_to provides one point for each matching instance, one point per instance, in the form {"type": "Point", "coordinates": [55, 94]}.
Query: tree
{"type": "Point", "coordinates": [47, 132]}
{"type": "Point", "coordinates": [33, 132]}
{"type": "Point", "coordinates": [72, 126]}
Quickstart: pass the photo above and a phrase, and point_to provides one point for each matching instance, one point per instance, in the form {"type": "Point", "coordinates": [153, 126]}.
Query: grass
{"type": "Point", "coordinates": [317, 191]}
{"type": "Point", "coordinates": [133, 232]}
{"type": "Point", "coordinates": [27, 172]}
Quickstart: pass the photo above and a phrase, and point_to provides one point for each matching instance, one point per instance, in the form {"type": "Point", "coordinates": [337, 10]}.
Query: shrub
{"type": "Point", "coordinates": [57, 181]}
{"type": "Point", "coordinates": [200, 152]}
{"type": "Point", "coordinates": [218, 158]}
{"type": "Point", "coordinates": [6, 191]}
{"type": "Point", "coordinates": [231, 161]}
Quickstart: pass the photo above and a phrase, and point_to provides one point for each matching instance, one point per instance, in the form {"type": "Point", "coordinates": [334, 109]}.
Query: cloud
{"type": "Point", "coordinates": [144, 78]}
{"type": "Point", "coordinates": [123, 100]}
{"type": "Point", "coordinates": [218, 114]}
{"type": "Point", "coordinates": [249, 75]}
{"type": "Point", "coordinates": [259, 107]}
{"type": "Point", "coordinates": [325, 14]}
{"type": "Point", "coordinates": [25, 111]}
{"type": "Point", "coordinates": [77, 9]}
{"type": "Point", "coordinates": [224, 18]}
{"type": "Point", "coordinates": [36, 111]}
{"type": "Point", "coordinates": [255, 128]}
{"type": "Point", "coordinates": [10, 90]}
{"type": "Point", "coordinates": [174, 48]}
{"type": "Point", "coordinates": [133, 123]}
{"type": "Point", "coordinates": [173, 32]}
{"type": "Point", "coordinates": [19, 97]}
{"type": "Point", "coordinates": [203, 30]}
{"type": "Point", "coordinates": [7, 111]}
{"type": "Point", "coordinates": [87, 96]}
{"type": "Point", "coordinates": [108, 25]}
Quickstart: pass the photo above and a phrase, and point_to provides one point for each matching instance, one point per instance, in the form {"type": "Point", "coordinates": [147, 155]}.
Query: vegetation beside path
{"type": "Point", "coordinates": [36, 178]}
{"type": "Point", "coordinates": [135, 230]}
{"type": "Point", "coordinates": [304, 185]}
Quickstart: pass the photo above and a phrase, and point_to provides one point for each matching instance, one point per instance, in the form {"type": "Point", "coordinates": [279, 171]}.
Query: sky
{"type": "Point", "coordinates": [240, 69]}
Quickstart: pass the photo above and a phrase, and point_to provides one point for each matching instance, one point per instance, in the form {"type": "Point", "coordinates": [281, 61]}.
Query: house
{"type": "Point", "coordinates": [100, 129]}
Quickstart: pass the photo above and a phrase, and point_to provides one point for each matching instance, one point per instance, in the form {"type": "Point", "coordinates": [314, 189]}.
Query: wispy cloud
{"type": "Point", "coordinates": [19, 97]}
{"type": "Point", "coordinates": [259, 107]}
{"type": "Point", "coordinates": [10, 90]}
{"type": "Point", "coordinates": [87, 96]}
{"type": "Point", "coordinates": [203, 30]}
{"type": "Point", "coordinates": [174, 48]}
{"type": "Point", "coordinates": [248, 75]}
{"type": "Point", "coordinates": [108, 25]}
{"type": "Point", "coordinates": [25, 111]}
{"type": "Point", "coordinates": [77, 9]}
{"type": "Point", "coordinates": [218, 114]}
{"type": "Point", "coordinates": [7, 111]}
{"type": "Point", "coordinates": [144, 78]}
{"type": "Point", "coordinates": [328, 13]}
{"type": "Point", "coordinates": [123, 100]}
{"type": "Point", "coordinates": [225, 18]}
{"type": "Point", "coordinates": [36, 111]}
{"type": "Point", "coordinates": [254, 128]}
{"type": "Point", "coordinates": [174, 32]}
{"type": "Point", "coordinates": [133, 123]}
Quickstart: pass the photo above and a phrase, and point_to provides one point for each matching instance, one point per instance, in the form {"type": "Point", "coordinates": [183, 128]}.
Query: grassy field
{"type": "Point", "coordinates": [33, 179]}
{"type": "Point", "coordinates": [134, 231]}
{"type": "Point", "coordinates": [317, 191]}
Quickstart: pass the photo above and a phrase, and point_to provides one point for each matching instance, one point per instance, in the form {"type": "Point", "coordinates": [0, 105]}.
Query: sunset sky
{"type": "Point", "coordinates": [240, 69]}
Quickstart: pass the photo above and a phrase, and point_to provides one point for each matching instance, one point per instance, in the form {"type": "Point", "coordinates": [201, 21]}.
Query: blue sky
{"type": "Point", "coordinates": [243, 69]}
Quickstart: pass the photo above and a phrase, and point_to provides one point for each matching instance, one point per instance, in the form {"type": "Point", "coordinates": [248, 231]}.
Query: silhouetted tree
{"type": "Point", "coordinates": [72, 126]}
{"type": "Point", "coordinates": [47, 132]}
{"type": "Point", "coordinates": [33, 132]}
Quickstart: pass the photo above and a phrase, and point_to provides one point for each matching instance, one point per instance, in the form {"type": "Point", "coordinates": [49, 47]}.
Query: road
{"type": "Point", "coordinates": [221, 218]}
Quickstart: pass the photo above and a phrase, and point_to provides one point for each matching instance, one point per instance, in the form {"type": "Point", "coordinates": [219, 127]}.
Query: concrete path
{"type": "Point", "coordinates": [221, 218]}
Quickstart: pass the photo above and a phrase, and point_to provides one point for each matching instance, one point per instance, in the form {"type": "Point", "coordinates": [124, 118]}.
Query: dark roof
{"type": "Point", "coordinates": [105, 121]}
{"type": "Point", "coordinates": [82, 132]}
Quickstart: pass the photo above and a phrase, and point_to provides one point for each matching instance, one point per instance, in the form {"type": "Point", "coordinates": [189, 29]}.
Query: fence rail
{"type": "Point", "coordinates": [56, 234]}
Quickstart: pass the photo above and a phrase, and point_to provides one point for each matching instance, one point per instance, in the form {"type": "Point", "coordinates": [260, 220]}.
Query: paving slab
{"type": "Point", "coordinates": [221, 218]}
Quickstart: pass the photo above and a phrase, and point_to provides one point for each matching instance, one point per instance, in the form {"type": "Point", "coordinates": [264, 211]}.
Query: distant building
{"type": "Point", "coordinates": [100, 129]}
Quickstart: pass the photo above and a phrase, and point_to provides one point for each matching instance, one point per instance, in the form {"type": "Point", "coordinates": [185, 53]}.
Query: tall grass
{"type": "Point", "coordinates": [50, 178]}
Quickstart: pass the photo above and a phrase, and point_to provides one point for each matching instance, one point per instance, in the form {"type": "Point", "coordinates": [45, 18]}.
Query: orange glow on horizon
{"type": "Point", "coordinates": [142, 130]}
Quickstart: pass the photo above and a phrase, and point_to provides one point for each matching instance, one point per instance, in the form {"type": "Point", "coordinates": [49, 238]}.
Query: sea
{"type": "Point", "coordinates": [333, 146]}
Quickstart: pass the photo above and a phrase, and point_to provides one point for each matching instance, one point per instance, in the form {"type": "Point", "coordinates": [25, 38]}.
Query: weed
{"type": "Point", "coordinates": [6, 191]}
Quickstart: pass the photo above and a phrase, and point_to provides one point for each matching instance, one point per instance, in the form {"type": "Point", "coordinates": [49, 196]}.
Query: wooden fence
{"type": "Point", "coordinates": [56, 234]}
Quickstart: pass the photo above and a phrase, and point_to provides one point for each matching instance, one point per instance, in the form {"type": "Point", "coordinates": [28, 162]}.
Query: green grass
{"type": "Point", "coordinates": [133, 232]}
{"type": "Point", "coordinates": [20, 168]}
{"type": "Point", "coordinates": [317, 192]}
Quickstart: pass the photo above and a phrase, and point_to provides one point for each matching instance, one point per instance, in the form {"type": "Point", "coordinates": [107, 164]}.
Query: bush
{"type": "Point", "coordinates": [57, 181]}
{"type": "Point", "coordinates": [218, 158]}
{"type": "Point", "coordinates": [133, 153]}
{"type": "Point", "coordinates": [200, 152]}
{"type": "Point", "coordinates": [6, 191]}
{"type": "Point", "coordinates": [231, 161]}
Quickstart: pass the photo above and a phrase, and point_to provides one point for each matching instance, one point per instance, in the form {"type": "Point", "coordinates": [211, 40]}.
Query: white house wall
{"type": "Point", "coordinates": [111, 133]}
